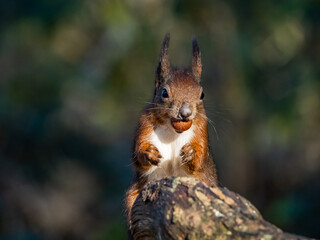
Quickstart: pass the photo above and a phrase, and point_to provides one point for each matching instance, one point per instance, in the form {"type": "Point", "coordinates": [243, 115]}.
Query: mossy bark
{"type": "Point", "coordinates": [184, 208]}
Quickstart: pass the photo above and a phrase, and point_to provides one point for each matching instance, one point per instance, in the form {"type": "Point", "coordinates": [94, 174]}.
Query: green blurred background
{"type": "Point", "coordinates": [74, 76]}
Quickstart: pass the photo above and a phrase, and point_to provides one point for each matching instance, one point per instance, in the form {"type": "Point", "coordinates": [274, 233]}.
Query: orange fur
{"type": "Point", "coordinates": [131, 197]}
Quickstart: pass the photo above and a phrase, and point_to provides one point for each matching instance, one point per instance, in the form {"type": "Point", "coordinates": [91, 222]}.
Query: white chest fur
{"type": "Point", "coordinates": [169, 143]}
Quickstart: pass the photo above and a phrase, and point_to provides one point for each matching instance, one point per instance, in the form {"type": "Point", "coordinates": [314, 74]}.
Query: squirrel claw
{"type": "Point", "coordinates": [187, 153]}
{"type": "Point", "coordinates": [152, 155]}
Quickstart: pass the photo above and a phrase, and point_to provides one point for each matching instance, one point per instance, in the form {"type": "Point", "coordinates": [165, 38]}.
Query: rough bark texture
{"type": "Point", "coordinates": [184, 208]}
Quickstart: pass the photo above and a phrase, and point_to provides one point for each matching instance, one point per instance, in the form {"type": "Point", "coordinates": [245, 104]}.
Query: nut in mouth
{"type": "Point", "coordinates": [180, 125]}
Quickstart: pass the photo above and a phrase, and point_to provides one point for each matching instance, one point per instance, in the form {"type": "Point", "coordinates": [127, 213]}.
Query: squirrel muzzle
{"type": "Point", "coordinates": [182, 123]}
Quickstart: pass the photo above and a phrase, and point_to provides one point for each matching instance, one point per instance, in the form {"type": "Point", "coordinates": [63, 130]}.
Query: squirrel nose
{"type": "Point", "coordinates": [185, 110]}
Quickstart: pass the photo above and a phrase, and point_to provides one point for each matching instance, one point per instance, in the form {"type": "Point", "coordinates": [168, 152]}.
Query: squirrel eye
{"type": "Point", "coordinates": [202, 96]}
{"type": "Point", "coordinates": [164, 93]}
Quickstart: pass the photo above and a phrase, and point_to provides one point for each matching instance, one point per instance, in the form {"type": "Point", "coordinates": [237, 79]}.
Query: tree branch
{"type": "Point", "coordinates": [184, 208]}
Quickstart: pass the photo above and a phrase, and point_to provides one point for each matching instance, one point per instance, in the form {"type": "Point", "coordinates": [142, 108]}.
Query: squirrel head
{"type": "Point", "coordinates": [178, 94]}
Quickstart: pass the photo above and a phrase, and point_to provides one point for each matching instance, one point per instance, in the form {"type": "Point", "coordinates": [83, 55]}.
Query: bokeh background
{"type": "Point", "coordinates": [74, 76]}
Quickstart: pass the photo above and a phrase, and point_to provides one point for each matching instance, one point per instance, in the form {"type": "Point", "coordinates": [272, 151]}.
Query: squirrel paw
{"type": "Point", "coordinates": [187, 153]}
{"type": "Point", "coordinates": [152, 155]}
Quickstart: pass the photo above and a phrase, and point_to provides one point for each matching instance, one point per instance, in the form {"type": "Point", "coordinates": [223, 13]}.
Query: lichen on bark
{"type": "Point", "coordinates": [184, 208]}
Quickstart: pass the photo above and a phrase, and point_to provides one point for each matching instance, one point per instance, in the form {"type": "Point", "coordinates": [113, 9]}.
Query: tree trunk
{"type": "Point", "coordinates": [184, 208]}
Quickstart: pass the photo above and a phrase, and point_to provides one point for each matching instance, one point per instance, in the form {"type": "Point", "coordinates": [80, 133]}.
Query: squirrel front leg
{"type": "Point", "coordinates": [145, 156]}
{"type": "Point", "coordinates": [192, 155]}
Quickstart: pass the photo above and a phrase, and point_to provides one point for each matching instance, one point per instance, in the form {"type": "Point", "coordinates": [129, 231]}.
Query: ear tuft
{"type": "Point", "coordinates": [196, 59]}
{"type": "Point", "coordinates": [163, 68]}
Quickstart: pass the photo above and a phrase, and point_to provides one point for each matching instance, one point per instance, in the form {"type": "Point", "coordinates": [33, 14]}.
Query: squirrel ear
{"type": "Point", "coordinates": [196, 59]}
{"type": "Point", "coordinates": [163, 68]}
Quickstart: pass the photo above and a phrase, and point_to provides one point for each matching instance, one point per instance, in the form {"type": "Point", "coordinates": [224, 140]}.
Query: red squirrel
{"type": "Point", "coordinates": [172, 138]}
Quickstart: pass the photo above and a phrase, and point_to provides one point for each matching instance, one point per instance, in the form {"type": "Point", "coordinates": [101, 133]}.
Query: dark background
{"type": "Point", "coordinates": [74, 76]}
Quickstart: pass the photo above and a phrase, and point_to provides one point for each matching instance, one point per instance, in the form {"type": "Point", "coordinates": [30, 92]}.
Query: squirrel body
{"type": "Point", "coordinates": [169, 144]}
{"type": "Point", "coordinates": [171, 138]}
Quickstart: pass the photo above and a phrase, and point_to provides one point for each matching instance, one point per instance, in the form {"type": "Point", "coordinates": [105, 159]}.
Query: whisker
{"type": "Point", "coordinates": [225, 119]}
{"type": "Point", "coordinates": [160, 108]}
{"type": "Point", "coordinates": [132, 162]}
{"type": "Point", "coordinates": [218, 109]}
{"type": "Point", "coordinates": [150, 103]}
{"type": "Point", "coordinates": [211, 123]}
